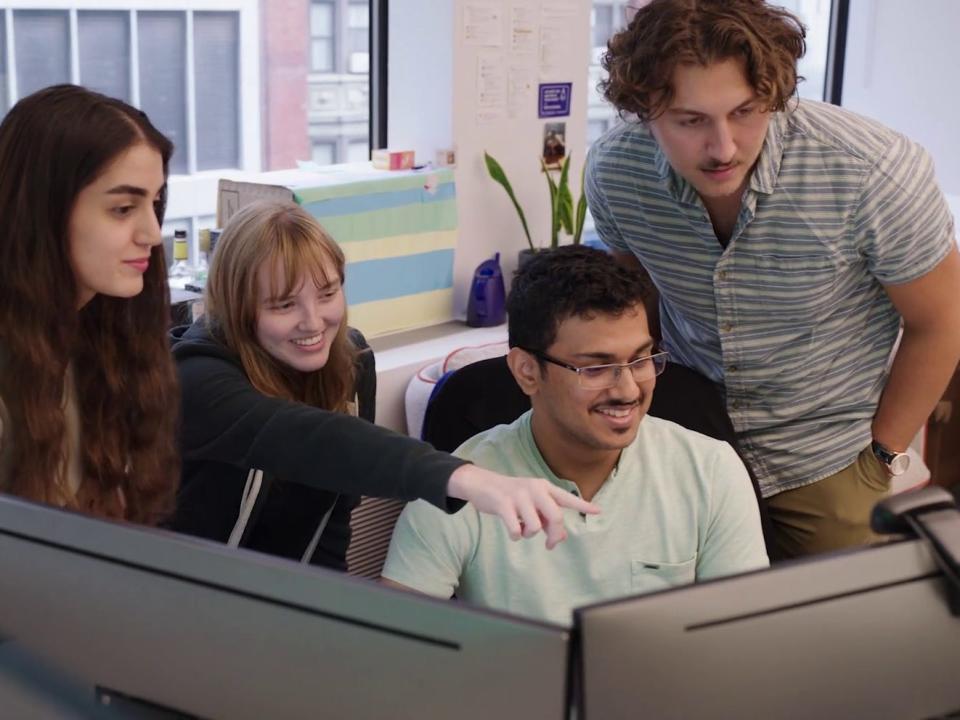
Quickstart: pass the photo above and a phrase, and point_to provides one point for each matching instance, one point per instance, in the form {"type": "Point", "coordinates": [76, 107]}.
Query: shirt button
{"type": "Point", "coordinates": [735, 404]}
{"type": "Point", "coordinates": [726, 327]}
{"type": "Point", "coordinates": [732, 368]}
{"type": "Point", "coordinates": [722, 274]}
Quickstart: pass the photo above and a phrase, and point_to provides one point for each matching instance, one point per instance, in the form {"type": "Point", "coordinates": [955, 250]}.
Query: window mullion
{"type": "Point", "coordinates": [12, 90]}
{"type": "Point", "coordinates": [191, 99]}
{"type": "Point", "coordinates": [134, 59]}
{"type": "Point", "coordinates": [74, 34]}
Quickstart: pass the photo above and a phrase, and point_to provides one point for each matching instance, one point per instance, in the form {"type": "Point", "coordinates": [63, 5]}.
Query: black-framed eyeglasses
{"type": "Point", "coordinates": [601, 377]}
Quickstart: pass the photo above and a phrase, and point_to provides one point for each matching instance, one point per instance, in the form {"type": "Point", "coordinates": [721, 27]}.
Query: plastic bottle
{"type": "Point", "coordinates": [180, 267]}
{"type": "Point", "coordinates": [201, 268]}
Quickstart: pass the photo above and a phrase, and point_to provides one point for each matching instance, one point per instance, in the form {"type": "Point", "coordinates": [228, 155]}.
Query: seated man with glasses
{"type": "Point", "coordinates": [676, 506]}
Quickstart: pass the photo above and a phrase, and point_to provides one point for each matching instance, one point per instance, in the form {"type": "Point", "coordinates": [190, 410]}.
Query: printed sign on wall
{"type": "Point", "coordinates": [555, 99]}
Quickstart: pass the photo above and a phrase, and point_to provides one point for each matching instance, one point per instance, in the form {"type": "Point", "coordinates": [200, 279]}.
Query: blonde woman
{"type": "Point", "coordinates": [272, 456]}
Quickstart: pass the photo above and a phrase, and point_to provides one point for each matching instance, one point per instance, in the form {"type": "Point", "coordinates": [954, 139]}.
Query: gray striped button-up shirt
{"type": "Point", "coordinates": [791, 317]}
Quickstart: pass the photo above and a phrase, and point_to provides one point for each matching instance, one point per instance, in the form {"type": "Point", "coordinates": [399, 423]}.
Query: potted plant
{"type": "Point", "coordinates": [563, 215]}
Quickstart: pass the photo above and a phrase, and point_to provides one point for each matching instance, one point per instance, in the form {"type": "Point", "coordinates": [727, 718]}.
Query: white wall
{"type": "Point", "coordinates": [488, 222]}
{"type": "Point", "coordinates": [902, 67]}
{"type": "Point", "coordinates": [433, 104]}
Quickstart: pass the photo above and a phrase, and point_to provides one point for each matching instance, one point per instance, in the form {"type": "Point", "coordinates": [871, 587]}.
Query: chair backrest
{"type": "Point", "coordinates": [372, 521]}
{"type": "Point", "coordinates": [476, 397]}
{"type": "Point", "coordinates": [484, 394]}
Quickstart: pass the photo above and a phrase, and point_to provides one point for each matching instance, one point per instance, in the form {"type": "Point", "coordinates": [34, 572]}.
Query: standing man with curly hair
{"type": "Point", "coordinates": [789, 240]}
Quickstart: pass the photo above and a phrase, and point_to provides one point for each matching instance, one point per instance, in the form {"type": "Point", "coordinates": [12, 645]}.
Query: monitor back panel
{"type": "Point", "coordinates": [199, 628]}
{"type": "Point", "coordinates": [862, 634]}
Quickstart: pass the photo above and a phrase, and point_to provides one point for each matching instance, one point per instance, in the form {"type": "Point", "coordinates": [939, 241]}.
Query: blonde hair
{"type": "Point", "coordinates": [285, 237]}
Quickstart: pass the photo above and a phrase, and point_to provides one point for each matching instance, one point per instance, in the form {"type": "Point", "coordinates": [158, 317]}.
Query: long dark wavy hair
{"type": "Point", "coordinates": [640, 59]}
{"type": "Point", "coordinates": [53, 144]}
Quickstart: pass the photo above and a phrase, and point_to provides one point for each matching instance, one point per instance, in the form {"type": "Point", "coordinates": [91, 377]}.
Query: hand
{"type": "Point", "coordinates": [526, 505]}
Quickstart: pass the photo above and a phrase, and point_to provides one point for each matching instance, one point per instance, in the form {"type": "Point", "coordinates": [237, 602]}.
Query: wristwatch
{"type": "Point", "coordinates": [895, 462]}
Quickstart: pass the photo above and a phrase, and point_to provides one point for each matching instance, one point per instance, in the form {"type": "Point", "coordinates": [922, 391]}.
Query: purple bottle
{"type": "Point", "coordinates": [487, 303]}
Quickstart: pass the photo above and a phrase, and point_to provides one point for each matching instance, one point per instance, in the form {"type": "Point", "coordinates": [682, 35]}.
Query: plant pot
{"type": "Point", "coordinates": [526, 255]}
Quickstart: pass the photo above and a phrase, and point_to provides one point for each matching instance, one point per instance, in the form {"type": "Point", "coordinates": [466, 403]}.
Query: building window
{"type": "Point", "coordinates": [358, 151]}
{"type": "Point", "coordinates": [216, 49]}
{"type": "Point", "coordinates": [200, 69]}
{"type": "Point", "coordinates": [358, 37]}
{"type": "Point", "coordinates": [3, 64]}
{"type": "Point", "coordinates": [41, 49]}
{"type": "Point", "coordinates": [103, 44]}
{"type": "Point", "coordinates": [596, 128]}
{"type": "Point", "coordinates": [602, 17]}
{"type": "Point", "coordinates": [322, 43]}
{"type": "Point", "coordinates": [163, 71]}
{"type": "Point", "coordinates": [324, 152]}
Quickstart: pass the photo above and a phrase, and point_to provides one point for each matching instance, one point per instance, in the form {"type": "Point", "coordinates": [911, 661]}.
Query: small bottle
{"type": "Point", "coordinates": [201, 268]}
{"type": "Point", "coordinates": [180, 267]}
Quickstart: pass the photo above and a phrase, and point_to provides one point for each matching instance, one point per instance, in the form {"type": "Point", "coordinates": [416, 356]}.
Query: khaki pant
{"type": "Point", "coordinates": [831, 513]}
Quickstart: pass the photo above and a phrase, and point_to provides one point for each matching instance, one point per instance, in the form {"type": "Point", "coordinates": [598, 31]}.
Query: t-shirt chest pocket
{"type": "Point", "coordinates": [650, 575]}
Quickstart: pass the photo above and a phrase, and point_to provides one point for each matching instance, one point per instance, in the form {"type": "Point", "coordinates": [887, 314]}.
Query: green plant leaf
{"type": "Point", "coordinates": [497, 173]}
{"type": "Point", "coordinates": [581, 214]}
{"type": "Point", "coordinates": [554, 206]}
{"type": "Point", "coordinates": [565, 199]}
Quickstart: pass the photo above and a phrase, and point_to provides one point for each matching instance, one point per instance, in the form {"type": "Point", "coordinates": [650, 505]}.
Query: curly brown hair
{"type": "Point", "coordinates": [53, 144]}
{"type": "Point", "coordinates": [641, 59]}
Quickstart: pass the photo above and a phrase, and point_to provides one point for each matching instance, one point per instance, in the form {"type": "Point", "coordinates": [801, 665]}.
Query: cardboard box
{"type": "Point", "coordinates": [392, 159]}
{"type": "Point", "coordinates": [397, 230]}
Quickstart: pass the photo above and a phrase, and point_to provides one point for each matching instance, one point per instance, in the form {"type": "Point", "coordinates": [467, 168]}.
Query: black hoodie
{"type": "Point", "coordinates": [308, 457]}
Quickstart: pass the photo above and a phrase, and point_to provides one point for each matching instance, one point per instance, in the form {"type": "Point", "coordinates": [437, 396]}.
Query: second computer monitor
{"type": "Point", "coordinates": [858, 634]}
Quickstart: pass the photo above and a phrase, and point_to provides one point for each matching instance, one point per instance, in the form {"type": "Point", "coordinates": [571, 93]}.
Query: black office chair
{"type": "Point", "coordinates": [483, 394]}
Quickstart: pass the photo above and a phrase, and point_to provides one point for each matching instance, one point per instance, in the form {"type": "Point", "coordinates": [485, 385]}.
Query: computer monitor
{"type": "Point", "coordinates": [856, 634]}
{"type": "Point", "coordinates": [211, 631]}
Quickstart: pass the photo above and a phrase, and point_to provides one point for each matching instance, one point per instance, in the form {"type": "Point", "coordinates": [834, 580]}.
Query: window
{"type": "Point", "coordinates": [3, 64]}
{"type": "Point", "coordinates": [42, 49]}
{"type": "Point", "coordinates": [216, 49]}
{"type": "Point", "coordinates": [322, 43]}
{"type": "Point", "coordinates": [596, 128]}
{"type": "Point", "coordinates": [602, 18]}
{"type": "Point", "coordinates": [223, 79]}
{"type": "Point", "coordinates": [815, 14]}
{"type": "Point", "coordinates": [324, 153]}
{"type": "Point", "coordinates": [162, 56]}
{"type": "Point", "coordinates": [103, 45]}
{"type": "Point", "coordinates": [358, 37]}
{"type": "Point", "coordinates": [358, 151]}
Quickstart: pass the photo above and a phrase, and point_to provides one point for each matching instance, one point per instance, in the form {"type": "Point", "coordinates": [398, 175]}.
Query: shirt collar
{"type": "Point", "coordinates": [764, 176]}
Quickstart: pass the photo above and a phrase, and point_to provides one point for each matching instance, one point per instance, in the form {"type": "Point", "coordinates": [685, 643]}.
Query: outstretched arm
{"type": "Point", "coordinates": [226, 420]}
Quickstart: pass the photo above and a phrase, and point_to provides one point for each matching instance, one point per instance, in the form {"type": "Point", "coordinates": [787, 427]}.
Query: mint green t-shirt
{"type": "Point", "coordinates": [678, 507]}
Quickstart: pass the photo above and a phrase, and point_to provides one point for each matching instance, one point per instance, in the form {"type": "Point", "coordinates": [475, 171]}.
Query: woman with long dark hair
{"type": "Point", "coordinates": [272, 458]}
{"type": "Point", "coordinates": [87, 385]}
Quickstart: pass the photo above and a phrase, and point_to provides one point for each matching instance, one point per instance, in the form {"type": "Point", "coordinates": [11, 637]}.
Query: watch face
{"type": "Point", "coordinates": [899, 464]}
